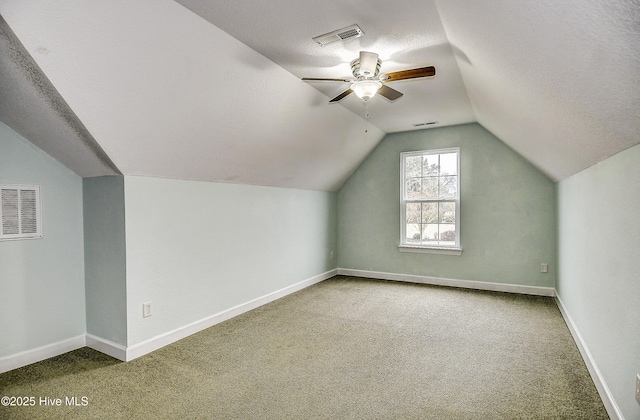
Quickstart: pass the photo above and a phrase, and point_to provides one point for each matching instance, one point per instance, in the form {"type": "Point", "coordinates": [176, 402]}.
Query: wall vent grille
{"type": "Point", "coordinates": [20, 214]}
{"type": "Point", "coordinates": [343, 34]}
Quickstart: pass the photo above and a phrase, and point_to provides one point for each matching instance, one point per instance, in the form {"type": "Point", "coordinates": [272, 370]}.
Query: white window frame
{"type": "Point", "coordinates": [404, 246]}
{"type": "Point", "coordinates": [21, 234]}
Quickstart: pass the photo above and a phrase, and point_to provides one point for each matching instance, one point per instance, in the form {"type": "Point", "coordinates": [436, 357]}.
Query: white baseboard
{"type": "Point", "coordinates": [129, 353]}
{"type": "Point", "coordinates": [124, 353]}
{"type": "Point", "coordinates": [162, 340]}
{"type": "Point", "coordinates": [605, 394]}
{"type": "Point", "coordinates": [438, 281]}
{"type": "Point", "coordinates": [107, 347]}
{"type": "Point", "coordinates": [28, 357]}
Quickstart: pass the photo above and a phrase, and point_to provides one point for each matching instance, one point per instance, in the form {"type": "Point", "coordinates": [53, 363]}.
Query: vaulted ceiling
{"type": "Point", "coordinates": [210, 89]}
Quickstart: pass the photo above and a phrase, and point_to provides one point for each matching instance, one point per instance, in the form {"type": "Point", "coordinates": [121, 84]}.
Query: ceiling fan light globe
{"type": "Point", "coordinates": [366, 89]}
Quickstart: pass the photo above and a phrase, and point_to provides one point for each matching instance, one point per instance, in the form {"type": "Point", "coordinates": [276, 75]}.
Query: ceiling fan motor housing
{"type": "Point", "coordinates": [367, 65]}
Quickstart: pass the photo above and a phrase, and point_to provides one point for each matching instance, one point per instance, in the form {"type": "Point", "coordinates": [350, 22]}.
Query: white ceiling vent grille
{"type": "Point", "coordinates": [343, 34]}
{"type": "Point", "coordinates": [20, 215]}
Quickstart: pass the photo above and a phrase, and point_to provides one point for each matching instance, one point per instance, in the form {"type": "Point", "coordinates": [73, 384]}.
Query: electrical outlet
{"type": "Point", "coordinates": [146, 309]}
{"type": "Point", "coordinates": [638, 387]}
{"type": "Point", "coordinates": [332, 254]}
{"type": "Point", "coordinates": [544, 268]}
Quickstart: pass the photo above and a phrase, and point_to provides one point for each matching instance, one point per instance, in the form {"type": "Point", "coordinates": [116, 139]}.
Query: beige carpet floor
{"type": "Point", "coordinates": [345, 348]}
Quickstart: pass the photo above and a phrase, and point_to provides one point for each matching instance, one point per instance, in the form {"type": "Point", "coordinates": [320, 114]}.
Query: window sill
{"type": "Point", "coordinates": [430, 250]}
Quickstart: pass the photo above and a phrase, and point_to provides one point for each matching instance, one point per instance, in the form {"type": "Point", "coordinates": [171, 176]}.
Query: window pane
{"type": "Point", "coordinates": [430, 187]}
{"type": "Point", "coordinates": [448, 186]}
{"type": "Point", "coordinates": [413, 166]}
{"type": "Point", "coordinates": [447, 235]}
{"type": "Point", "coordinates": [430, 165]}
{"type": "Point", "coordinates": [413, 188]}
{"type": "Point", "coordinates": [413, 213]}
{"type": "Point", "coordinates": [449, 164]}
{"type": "Point", "coordinates": [429, 213]}
{"type": "Point", "coordinates": [430, 234]}
{"type": "Point", "coordinates": [447, 212]}
{"type": "Point", "coordinates": [412, 233]}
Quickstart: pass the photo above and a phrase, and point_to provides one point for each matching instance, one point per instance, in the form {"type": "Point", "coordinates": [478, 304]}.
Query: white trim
{"type": "Point", "coordinates": [605, 394]}
{"type": "Point", "coordinates": [126, 354]}
{"type": "Point", "coordinates": [430, 250]}
{"type": "Point", "coordinates": [439, 281]}
{"type": "Point", "coordinates": [404, 200]}
{"type": "Point", "coordinates": [169, 337]}
{"type": "Point", "coordinates": [107, 347]}
{"type": "Point", "coordinates": [28, 357]}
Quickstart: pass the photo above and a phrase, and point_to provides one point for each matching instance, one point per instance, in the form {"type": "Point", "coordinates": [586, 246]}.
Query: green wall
{"type": "Point", "coordinates": [41, 280]}
{"type": "Point", "coordinates": [599, 276]}
{"type": "Point", "coordinates": [507, 219]}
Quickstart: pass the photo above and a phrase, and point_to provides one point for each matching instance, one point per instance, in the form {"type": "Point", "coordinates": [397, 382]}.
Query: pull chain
{"type": "Point", "coordinates": [366, 117]}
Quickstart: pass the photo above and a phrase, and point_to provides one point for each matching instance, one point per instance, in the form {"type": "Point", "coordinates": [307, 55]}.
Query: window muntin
{"type": "Point", "coordinates": [430, 199]}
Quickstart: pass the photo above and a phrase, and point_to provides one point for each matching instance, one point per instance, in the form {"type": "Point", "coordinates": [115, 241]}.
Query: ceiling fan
{"type": "Point", "coordinates": [367, 83]}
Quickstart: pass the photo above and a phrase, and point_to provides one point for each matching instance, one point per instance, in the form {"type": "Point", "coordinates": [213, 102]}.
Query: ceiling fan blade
{"type": "Point", "coordinates": [319, 79]}
{"type": "Point", "coordinates": [409, 74]}
{"type": "Point", "coordinates": [368, 63]}
{"type": "Point", "coordinates": [389, 93]}
{"type": "Point", "coordinates": [341, 96]}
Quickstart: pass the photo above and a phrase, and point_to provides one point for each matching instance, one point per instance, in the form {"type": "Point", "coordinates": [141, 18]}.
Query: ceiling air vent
{"type": "Point", "coordinates": [343, 34]}
{"type": "Point", "coordinates": [424, 124]}
{"type": "Point", "coordinates": [20, 216]}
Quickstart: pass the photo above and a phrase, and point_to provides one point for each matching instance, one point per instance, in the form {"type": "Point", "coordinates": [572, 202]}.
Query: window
{"type": "Point", "coordinates": [20, 212]}
{"type": "Point", "coordinates": [430, 201]}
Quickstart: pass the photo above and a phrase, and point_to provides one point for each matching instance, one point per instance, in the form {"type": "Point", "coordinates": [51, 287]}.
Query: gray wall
{"type": "Point", "coordinates": [41, 280]}
{"type": "Point", "coordinates": [195, 249]}
{"type": "Point", "coordinates": [599, 276]}
{"type": "Point", "coordinates": [507, 220]}
{"type": "Point", "coordinates": [105, 268]}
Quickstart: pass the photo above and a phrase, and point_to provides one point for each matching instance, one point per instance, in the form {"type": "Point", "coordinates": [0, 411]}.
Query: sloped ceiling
{"type": "Point", "coordinates": [558, 81]}
{"type": "Point", "coordinates": [210, 89]}
{"type": "Point", "coordinates": [405, 35]}
{"type": "Point", "coordinates": [167, 94]}
{"type": "Point", "coordinates": [34, 108]}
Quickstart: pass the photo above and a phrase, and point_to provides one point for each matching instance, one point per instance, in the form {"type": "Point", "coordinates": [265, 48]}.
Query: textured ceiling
{"type": "Point", "coordinates": [558, 81]}
{"type": "Point", "coordinates": [212, 91]}
{"type": "Point", "coordinates": [167, 94]}
{"type": "Point", "coordinates": [404, 37]}
{"type": "Point", "coordinates": [32, 106]}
